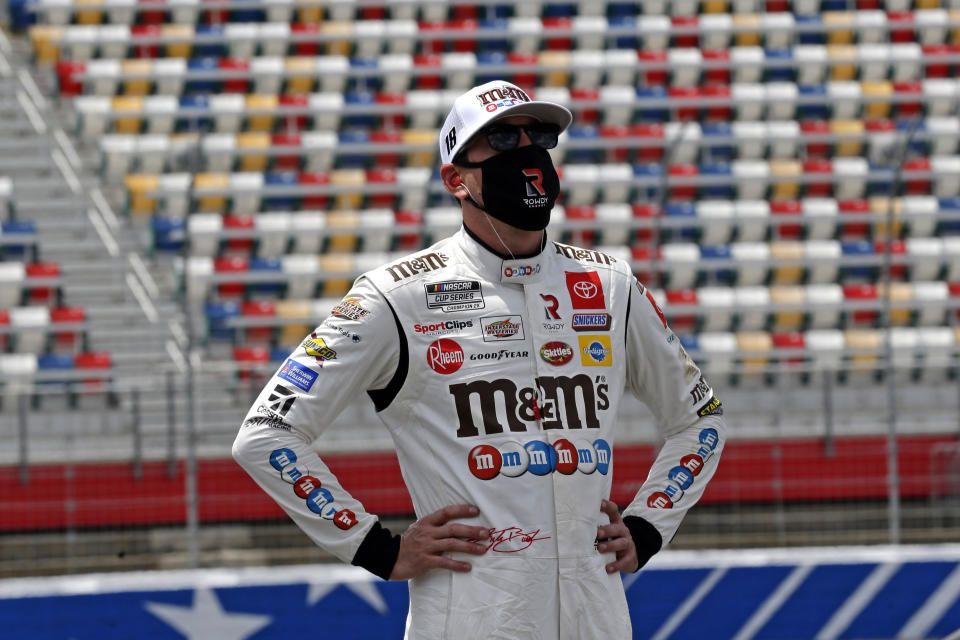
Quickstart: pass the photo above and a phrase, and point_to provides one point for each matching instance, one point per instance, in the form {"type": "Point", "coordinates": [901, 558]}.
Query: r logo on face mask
{"type": "Point", "coordinates": [534, 179]}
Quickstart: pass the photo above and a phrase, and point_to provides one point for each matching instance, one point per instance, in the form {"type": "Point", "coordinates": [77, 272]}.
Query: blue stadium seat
{"type": "Point", "coordinates": [217, 315]}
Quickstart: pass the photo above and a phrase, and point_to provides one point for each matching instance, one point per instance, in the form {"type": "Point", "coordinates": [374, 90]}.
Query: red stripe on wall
{"type": "Point", "coordinates": [109, 494]}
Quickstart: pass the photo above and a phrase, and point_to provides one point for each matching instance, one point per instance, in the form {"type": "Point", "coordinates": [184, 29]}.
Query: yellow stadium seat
{"type": "Point", "coordinates": [793, 295]}
{"type": "Point", "coordinates": [337, 268]}
{"type": "Point", "coordinates": [343, 231]}
{"type": "Point", "coordinates": [879, 206]}
{"type": "Point", "coordinates": [900, 292]}
{"type": "Point", "coordinates": [747, 21]}
{"type": "Point", "coordinates": [253, 140]}
{"type": "Point", "coordinates": [847, 128]}
{"type": "Point", "coordinates": [953, 16]}
{"type": "Point", "coordinates": [755, 349]}
{"type": "Point", "coordinates": [262, 122]}
{"type": "Point", "coordinates": [865, 345]}
{"type": "Point", "coordinates": [422, 137]}
{"type": "Point", "coordinates": [138, 186]}
{"type": "Point", "coordinates": [183, 32]}
{"type": "Point", "coordinates": [878, 93]}
{"type": "Point", "coordinates": [339, 46]}
{"type": "Point", "coordinates": [211, 203]}
{"type": "Point", "coordinates": [837, 20]}
{"type": "Point", "coordinates": [43, 39]}
{"type": "Point", "coordinates": [715, 6]}
{"type": "Point", "coordinates": [290, 310]}
{"type": "Point", "coordinates": [348, 178]}
{"type": "Point", "coordinates": [137, 86]}
{"type": "Point", "coordinates": [310, 14]}
{"type": "Point", "coordinates": [788, 274]}
{"type": "Point", "coordinates": [926, 4]}
{"type": "Point", "coordinates": [89, 16]}
{"type": "Point", "coordinates": [784, 174]}
{"type": "Point", "coordinates": [300, 83]}
{"type": "Point", "coordinates": [131, 104]}
{"type": "Point", "coordinates": [558, 68]}
{"type": "Point", "coordinates": [843, 62]}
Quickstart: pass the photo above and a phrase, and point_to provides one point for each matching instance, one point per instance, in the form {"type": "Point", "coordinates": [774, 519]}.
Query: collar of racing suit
{"type": "Point", "coordinates": [521, 269]}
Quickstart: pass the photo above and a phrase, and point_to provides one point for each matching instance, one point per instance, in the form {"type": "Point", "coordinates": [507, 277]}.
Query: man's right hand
{"type": "Point", "coordinates": [423, 544]}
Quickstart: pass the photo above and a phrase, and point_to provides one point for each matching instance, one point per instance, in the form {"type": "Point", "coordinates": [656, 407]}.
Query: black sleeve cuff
{"type": "Point", "coordinates": [646, 538]}
{"type": "Point", "coordinates": [378, 552]}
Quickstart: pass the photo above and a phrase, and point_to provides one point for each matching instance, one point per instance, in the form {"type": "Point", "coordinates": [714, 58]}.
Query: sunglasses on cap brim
{"type": "Point", "coordinates": [506, 137]}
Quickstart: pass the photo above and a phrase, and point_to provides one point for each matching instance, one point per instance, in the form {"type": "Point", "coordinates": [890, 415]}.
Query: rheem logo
{"type": "Point", "coordinates": [444, 356]}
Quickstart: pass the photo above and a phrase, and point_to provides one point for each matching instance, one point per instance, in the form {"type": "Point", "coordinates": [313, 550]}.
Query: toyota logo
{"type": "Point", "coordinates": [585, 290]}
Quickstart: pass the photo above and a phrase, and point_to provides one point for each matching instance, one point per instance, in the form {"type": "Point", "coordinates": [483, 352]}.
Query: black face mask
{"type": "Point", "coordinates": [520, 187]}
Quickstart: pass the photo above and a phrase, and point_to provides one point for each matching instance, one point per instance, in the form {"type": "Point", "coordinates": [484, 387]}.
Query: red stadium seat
{"type": "Point", "coordinates": [231, 264]}
{"type": "Point", "coordinates": [66, 315]}
{"type": "Point", "coordinates": [314, 178]}
{"type": "Point", "coordinates": [850, 209]}
{"type": "Point", "coordinates": [861, 293]}
{"type": "Point", "coordinates": [787, 208]}
{"type": "Point", "coordinates": [259, 309]}
{"type": "Point", "coordinates": [235, 85]}
{"type": "Point", "coordinates": [682, 322]}
{"type": "Point", "coordinates": [40, 295]}
{"type": "Point", "coordinates": [241, 246]}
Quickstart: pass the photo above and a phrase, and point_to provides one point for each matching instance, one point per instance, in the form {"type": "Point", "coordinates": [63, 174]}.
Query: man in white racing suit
{"type": "Point", "coordinates": [496, 359]}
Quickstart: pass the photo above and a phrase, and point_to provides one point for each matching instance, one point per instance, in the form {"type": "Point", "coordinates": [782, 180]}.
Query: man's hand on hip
{"type": "Point", "coordinates": [616, 537]}
{"type": "Point", "coordinates": [423, 544]}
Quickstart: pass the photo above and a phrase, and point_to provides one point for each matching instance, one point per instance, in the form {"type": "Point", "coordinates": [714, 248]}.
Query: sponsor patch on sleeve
{"type": "Point", "coordinates": [350, 309]}
{"type": "Point", "coordinates": [712, 408]}
{"type": "Point", "coordinates": [298, 375]}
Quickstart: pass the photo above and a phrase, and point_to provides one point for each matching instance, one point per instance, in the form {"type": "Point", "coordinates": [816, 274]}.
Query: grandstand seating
{"type": "Point", "coordinates": [775, 171]}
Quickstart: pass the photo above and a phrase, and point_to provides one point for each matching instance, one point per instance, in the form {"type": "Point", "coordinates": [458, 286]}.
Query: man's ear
{"type": "Point", "coordinates": [452, 181]}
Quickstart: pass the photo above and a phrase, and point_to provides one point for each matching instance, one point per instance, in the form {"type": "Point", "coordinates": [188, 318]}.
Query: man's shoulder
{"type": "Point", "coordinates": [404, 270]}
{"type": "Point", "coordinates": [594, 258]}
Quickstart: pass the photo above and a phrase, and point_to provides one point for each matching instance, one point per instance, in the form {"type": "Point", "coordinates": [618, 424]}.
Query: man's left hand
{"type": "Point", "coordinates": [616, 537]}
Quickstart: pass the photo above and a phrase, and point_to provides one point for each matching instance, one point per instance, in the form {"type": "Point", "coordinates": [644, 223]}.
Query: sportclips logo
{"type": "Point", "coordinates": [682, 477]}
{"type": "Point", "coordinates": [441, 328]}
{"type": "Point", "coordinates": [307, 487]}
{"type": "Point", "coordinates": [512, 459]}
{"type": "Point", "coordinates": [559, 402]}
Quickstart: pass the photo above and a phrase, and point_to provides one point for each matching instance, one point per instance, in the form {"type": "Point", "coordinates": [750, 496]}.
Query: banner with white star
{"type": "Point", "coordinates": [866, 592]}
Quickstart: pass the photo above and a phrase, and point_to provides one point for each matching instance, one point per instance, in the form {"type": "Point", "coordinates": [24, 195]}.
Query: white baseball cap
{"type": "Point", "coordinates": [492, 101]}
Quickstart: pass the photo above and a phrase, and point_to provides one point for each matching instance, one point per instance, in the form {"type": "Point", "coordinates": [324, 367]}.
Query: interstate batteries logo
{"type": "Point", "coordinates": [444, 356]}
{"type": "Point", "coordinates": [513, 459]}
{"type": "Point", "coordinates": [350, 309]}
{"type": "Point", "coordinates": [499, 328]}
{"type": "Point", "coordinates": [454, 295]}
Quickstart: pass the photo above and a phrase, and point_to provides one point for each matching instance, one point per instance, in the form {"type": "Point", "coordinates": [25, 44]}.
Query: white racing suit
{"type": "Point", "coordinates": [499, 381]}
